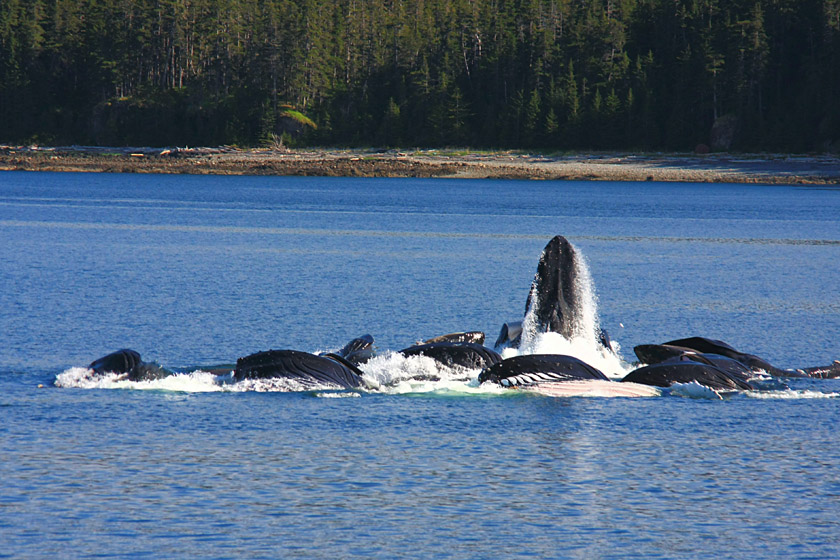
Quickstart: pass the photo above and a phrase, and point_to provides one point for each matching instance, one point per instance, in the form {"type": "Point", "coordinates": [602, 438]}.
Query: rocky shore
{"type": "Point", "coordinates": [763, 168]}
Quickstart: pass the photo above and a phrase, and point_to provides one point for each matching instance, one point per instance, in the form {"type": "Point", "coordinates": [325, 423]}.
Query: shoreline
{"type": "Point", "coordinates": [774, 169]}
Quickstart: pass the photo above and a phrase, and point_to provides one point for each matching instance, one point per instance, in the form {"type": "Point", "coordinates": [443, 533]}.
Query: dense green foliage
{"type": "Point", "coordinates": [553, 74]}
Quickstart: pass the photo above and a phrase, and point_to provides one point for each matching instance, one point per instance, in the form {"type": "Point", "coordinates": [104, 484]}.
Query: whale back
{"type": "Point", "coordinates": [536, 368]}
{"type": "Point", "coordinates": [711, 346]}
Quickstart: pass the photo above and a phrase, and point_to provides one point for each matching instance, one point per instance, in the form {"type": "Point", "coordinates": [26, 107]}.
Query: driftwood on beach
{"type": "Point", "coordinates": [769, 169]}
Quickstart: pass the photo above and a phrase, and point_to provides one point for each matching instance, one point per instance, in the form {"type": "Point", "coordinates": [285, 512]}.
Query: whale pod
{"type": "Point", "coordinates": [537, 368]}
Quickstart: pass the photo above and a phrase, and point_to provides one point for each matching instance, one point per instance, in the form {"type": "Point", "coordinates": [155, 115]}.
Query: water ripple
{"type": "Point", "coordinates": [418, 234]}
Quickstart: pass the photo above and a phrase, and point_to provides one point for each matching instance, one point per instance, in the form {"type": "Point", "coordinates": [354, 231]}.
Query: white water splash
{"type": "Point", "coordinates": [693, 390]}
{"type": "Point", "coordinates": [338, 395]}
{"type": "Point", "coordinates": [391, 373]}
{"type": "Point", "coordinates": [790, 394]}
{"type": "Point", "coordinates": [585, 322]}
{"type": "Point", "coordinates": [193, 382]}
{"type": "Point", "coordinates": [394, 373]}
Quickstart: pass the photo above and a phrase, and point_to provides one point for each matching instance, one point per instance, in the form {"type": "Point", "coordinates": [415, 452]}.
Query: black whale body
{"type": "Point", "coordinates": [685, 370]}
{"type": "Point", "coordinates": [307, 368]}
{"type": "Point", "coordinates": [553, 297]}
{"type": "Point", "coordinates": [464, 354]}
{"type": "Point", "coordinates": [711, 346]}
{"type": "Point", "coordinates": [652, 354]}
{"type": "Point", "coordinates": [359, 350]}
{"type": "Point", "coordinates": [127, 361]}
{"type": "Point", "coordinates": [717, 350]}
{"type": "Point", "coordinates": [536, 368]}
{"type": "Point", "coordinates": [554, 301]}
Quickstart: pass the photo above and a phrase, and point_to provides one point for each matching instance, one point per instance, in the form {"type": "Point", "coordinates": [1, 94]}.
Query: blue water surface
{"type": "Point", "coordinates": [191, 270]}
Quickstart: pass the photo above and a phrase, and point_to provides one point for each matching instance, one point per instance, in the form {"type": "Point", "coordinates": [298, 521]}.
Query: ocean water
{"type": "Point", "coordinates": [194, 271]}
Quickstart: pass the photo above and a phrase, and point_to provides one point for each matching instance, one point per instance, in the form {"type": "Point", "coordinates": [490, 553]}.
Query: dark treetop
{"type": "Point", "coordinates": [551, 74]}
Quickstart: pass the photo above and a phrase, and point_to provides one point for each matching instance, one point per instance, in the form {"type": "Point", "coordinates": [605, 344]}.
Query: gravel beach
{"type": "Point", "coordinates": [729, 168]}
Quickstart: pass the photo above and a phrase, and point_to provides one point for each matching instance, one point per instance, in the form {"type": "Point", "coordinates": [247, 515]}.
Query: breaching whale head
{"type": "Point", "coordinates": [553, 299]}
{"type": "Point", "coordinates": [560, 299]}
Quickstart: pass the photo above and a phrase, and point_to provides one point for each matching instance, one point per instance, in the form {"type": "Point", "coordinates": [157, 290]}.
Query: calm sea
{"type": "Point", "coordinates": [201, 270]}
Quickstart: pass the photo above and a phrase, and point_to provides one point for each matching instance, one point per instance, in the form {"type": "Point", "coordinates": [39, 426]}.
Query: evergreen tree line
{"type": "Point", "coordinates": [547, 74]}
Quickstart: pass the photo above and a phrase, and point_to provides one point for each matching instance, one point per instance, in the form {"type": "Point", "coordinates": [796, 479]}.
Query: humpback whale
{"type": "Point", "coordinates": [683, 369]}
{"type": "Point", "coordinates": [652, 354]}
{"type": "Point", "coordinates": [723, 355]}
{"type": "Point", "coordinates": [308, 369]}
{"type": "Point", "coordinates": [710, 346]}
{"type": "Point", "coordinates": [121, 361]}
{"type": "Point", "coordinates": [129, 362]}
{"type": "Point", "coordinates": [333, 369]}
{"type": "Point", "coordinates": [535, 368]}
{"type": "Point", "coordinates": [464, 354]}
{"type": "Point", "coordinates": [559, 375]}
{"type": "Point", "coordinates": [823, 372]}
{"type": "Point", "coordinates": [510, 335]}
{"type": "Point", "coordinates": [558, 300]}
{"type": "Point", "coordinates": [554, 299]}
{"type": "Point", "coordinates": [357, 351]}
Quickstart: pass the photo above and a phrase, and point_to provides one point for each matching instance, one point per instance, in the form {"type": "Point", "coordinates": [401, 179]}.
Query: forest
{"type": "Point", "coordinates": [647, 75]}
